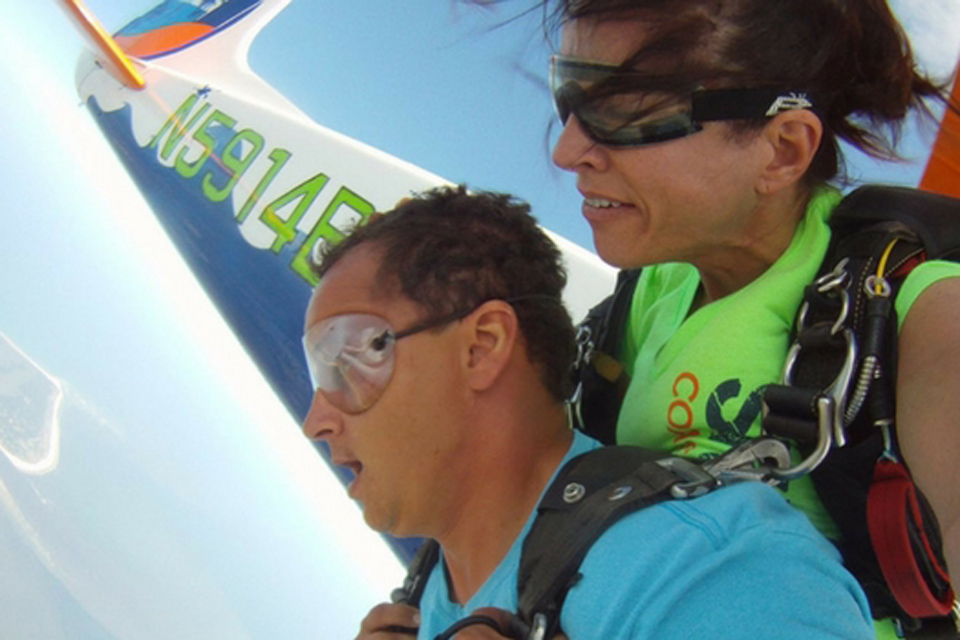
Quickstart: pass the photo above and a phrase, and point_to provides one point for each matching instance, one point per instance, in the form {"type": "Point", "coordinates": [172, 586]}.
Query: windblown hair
{"type": "Point", "coordinates": [448, 250]}
{"type": "Point", "coordinates": [851, 55]}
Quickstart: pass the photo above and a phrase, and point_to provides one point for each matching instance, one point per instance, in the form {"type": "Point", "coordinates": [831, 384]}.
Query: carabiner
{"type": "Point", "coordinates": [835, 281]}
{"type": "Point", "coordinates": [831, 407]}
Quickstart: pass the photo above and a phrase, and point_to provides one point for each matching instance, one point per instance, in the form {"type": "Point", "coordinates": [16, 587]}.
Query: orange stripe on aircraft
{"type": "Point", "coordinates": [163, 39]}
{"type": "Point", "coordinates": [942, 174]}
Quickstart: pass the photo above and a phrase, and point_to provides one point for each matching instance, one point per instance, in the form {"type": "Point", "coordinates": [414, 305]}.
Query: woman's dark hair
{"type": "Point", "coordinates": [852, 56]}
{"type": "Point", "coordinates": [450, 250]}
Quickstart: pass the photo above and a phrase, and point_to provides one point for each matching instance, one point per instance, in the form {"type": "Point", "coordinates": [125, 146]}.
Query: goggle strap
{"type": "Point", "coordinates": [433, 323]}
{"type": "Point", "coordinates": [463, 313]}
{"type": "Point", "coordinates": [746, 104]}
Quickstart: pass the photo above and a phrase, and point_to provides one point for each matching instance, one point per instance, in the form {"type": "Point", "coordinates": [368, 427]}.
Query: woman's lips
{"type": "Point", "coordinates": [597, 209]}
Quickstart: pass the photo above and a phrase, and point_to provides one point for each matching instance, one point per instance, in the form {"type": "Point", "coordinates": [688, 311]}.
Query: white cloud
{"type": "Point", "coordinates": [934, 30]}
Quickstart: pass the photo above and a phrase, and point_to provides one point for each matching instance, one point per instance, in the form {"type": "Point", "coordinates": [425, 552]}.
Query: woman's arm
{"type": "Point", "coordinates": [928, 405]}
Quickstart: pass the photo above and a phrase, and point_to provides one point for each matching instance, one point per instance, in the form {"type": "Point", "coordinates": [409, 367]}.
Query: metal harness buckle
{"type": "Point", "coordinates": [585, 347]}
{"type": "Point", "coordinates": [755, 460]}
{"type": "Point", "coordinates": [760, 460]}
{"type": "Point", "coordinates": [831, 404]}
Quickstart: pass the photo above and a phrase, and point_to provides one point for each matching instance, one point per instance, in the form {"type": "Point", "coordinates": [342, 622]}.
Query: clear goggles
{"type": "Point", "coordinates": [633, 118]}
{"type": "Point", "coordinates": [350, 356]}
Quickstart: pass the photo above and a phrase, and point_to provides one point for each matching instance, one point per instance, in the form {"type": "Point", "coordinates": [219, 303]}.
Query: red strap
{"type": "Point", "coordinates": [904, 270]}
{"type": "Point", "coordinates": [893, 511]}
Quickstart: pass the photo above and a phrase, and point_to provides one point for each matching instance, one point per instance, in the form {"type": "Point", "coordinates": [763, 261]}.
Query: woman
{"type": "Point", "coordinates": [691, 168]}
{"type": "Point", "coordinates": [725, 206]}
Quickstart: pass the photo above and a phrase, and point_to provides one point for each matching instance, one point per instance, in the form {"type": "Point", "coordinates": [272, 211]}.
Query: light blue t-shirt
{"type": "Point", "coordinates": [736, 563]}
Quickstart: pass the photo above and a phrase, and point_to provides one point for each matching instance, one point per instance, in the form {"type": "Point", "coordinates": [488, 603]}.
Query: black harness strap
{"type": "Point", "coordinates": [590, 493]}
{"type": "Point", "coordinates": [600, 381]}
{"type": "Point", "coordinates": [845, 351]}
{"type": "Point", "coordinates": [417, 573]}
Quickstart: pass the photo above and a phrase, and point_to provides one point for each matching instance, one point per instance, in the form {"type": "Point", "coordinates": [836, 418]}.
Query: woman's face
{"type": "Point", "coordinates": [692, 199]}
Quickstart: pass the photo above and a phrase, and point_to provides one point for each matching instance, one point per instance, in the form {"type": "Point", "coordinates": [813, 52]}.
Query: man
{"type": "Point", "coordinates": [439, 348]}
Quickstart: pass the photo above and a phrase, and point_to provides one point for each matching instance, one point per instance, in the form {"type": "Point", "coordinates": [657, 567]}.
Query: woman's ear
{"type": "Point", "coordinates": [492, 332]}
{"type": "Point", "coordinates": [793, 138]}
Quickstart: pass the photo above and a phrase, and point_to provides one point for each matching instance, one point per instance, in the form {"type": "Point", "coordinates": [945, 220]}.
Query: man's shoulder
{"type": "Point", "coordinates": [714, 564]}
{"type": "Point", "coordinates": [720, 518]}
{"type": "Point", "coordinates": [725, 514]}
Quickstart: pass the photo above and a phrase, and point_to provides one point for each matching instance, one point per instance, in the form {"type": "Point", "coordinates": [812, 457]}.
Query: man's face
{"type": "Point", "coordinates": [402, 449]}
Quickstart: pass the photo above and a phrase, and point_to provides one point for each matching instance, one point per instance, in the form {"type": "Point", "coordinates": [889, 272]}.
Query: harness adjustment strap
{"type": "Point", "coordinates": [791, 412]}
{"type": "Point", "coordinates": [895, 513]}
{"type": "Point", "coordinates": [419, 570]}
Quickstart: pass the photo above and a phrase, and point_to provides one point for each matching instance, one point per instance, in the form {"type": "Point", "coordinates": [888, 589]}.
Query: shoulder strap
{"type": "Point", "coordinates": [600, 381]}
{"type": "Point", "coordinates": [845, 339]}
{"type": "Point", "coordinates": [930, 217]}
{"type": "Point", "coordinates": [418, 572]}
{"type": "Point", "coordinates": [591, 493]}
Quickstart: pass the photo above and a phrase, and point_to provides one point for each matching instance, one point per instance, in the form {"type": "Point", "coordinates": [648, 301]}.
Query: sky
{"type": "Point", "coordinates": [153, 407]}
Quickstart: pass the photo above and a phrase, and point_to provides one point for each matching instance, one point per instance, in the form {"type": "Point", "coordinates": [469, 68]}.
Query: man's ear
{"type": "Point", "coordinates": [492, 331]}
{"type": "Point", "coordinates": [793, 138]}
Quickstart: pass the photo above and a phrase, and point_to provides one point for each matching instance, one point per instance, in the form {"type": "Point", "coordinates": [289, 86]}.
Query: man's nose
{"type": "Point", "coordinates": [323, 421]}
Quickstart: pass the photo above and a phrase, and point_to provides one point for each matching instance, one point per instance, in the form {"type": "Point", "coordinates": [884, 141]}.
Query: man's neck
{"type": "Point", "coordinates": [498, 507]}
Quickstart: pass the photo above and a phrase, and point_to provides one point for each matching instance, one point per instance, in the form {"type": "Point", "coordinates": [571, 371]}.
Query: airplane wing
{"type": "Point", "coordinates": [246, 185]}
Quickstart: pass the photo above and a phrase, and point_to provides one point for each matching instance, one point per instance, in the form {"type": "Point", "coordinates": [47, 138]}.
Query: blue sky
{"type": "Point", "coordinates": [161, 407]}
{"type": "Point", "coordinates": [181, 500]}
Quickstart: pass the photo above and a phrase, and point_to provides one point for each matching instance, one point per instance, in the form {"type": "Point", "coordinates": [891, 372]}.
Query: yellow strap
{"type": "Point", "coordinates": [882, 266]}
{"type": "Point", "coordinates": [607, 366]}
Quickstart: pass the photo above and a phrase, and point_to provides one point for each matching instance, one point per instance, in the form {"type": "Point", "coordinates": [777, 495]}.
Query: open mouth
{"type": "Point", "coordinates": [603, 203]}
{"type": "Point", "coordinates": [355, 467]}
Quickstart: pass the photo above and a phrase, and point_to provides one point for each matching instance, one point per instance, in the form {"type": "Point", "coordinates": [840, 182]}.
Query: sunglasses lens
{"type": "Point", "coordinates": [562, 106]}
{"type": "Point", "coordinates": [563, 90]}
{"type": "Point", "coordinates": [620, 119]}
{"type": "Point", "coordinates": [350, 358]}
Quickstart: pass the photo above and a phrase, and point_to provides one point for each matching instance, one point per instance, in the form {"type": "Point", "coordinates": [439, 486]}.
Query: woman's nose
{"type": "Point", "coordinates": [574, 147]}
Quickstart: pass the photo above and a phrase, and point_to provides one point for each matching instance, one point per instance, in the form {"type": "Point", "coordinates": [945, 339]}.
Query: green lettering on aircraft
{"type": "Point", "coordinates": [190, 169]}
{"type": "Point", "coordinates": [279, 158]}
{"type": "Point", "coordinates": [303, 194]}
{"type": "Point", "coordinates": [235, 166]}
{"type": "Point", "coordinates": [175, 122]}
{"type": "Point", "coordinates": [175, 119]}
{"type": "Point", "coordinates": [346, 209]}
{"type": "Point", "coordinates": [326, 230]}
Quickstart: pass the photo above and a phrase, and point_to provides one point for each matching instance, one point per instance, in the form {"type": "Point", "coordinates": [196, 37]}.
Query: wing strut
{"type": "Point", "coordinates": [116, 61]}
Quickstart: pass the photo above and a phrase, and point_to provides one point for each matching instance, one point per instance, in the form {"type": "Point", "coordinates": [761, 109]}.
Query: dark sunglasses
{"type": "Point", "coordinates": [633, 119]}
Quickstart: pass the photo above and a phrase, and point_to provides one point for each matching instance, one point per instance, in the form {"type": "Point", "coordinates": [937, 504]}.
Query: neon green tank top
{"type": "Point", "coordinates": [696, 378]}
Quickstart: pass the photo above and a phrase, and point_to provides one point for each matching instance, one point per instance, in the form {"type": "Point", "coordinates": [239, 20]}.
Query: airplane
{"type": "Point", "coordinates": [264, 186]}
{"type": "Point", "coordinates": [247, 186]}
